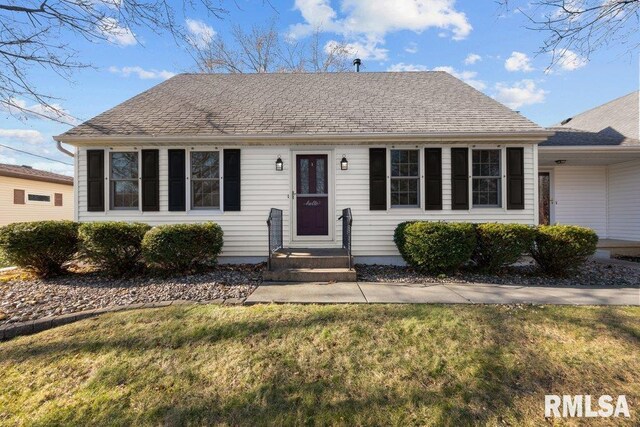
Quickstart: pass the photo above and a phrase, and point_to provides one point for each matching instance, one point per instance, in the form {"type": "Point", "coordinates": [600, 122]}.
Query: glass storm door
{"type": "Point", "coordinates": [312, 198]}
{"type": "Point", "coordinates": [544, 198]}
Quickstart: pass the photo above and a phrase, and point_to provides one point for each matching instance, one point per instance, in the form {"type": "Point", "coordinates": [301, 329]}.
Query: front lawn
{"type": "Point", "coordinates": [334, 364]}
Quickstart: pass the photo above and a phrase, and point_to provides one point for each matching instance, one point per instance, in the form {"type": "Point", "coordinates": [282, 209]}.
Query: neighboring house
{"type": "Point", "coordinates": [28, 194]}
{"type": "Point", "coordinates": [590, 171]}
{"type": "Point", "coordinates": [228, 147]}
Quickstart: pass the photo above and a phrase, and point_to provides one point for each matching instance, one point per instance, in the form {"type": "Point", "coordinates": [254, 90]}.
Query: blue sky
{"type": "Point", "coordinates": [485, 45]}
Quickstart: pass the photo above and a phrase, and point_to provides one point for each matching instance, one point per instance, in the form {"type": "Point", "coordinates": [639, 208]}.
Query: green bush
{"type": "Point", "coordinates": [399, 238]}
{"type": "Point", "coordinates": [437, 246]}
{"type": "Point", "coordinates": [43, 247]}
{"type": "Point", "coordinates": [182, 247]}
{"type": "Point", "coordinates": [562, 249]}
{"type": "Point", "coordinates": [115, 247]}
{"type": "Point", "coordinates": [500, 245]}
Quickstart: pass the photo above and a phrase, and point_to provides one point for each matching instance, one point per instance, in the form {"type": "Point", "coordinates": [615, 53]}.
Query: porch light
{"type": "Point", "coordinates": [560, 162]}
{"type": "Point", "coordinates": [344, 164]}
{"type": "Point", "coordinates": [279, 164]}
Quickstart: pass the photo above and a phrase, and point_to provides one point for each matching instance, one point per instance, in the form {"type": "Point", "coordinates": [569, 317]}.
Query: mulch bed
{"type": "Point", "coordinates": [23, 298]}
{"type": "Point", "coordinates": [594, 273]}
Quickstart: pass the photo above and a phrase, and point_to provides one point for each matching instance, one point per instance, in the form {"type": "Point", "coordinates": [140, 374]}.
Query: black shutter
{"type": "Point", "coordinates": [515, 178]}
{"type": "Point", "coordinates": [95, 180]}
{"type": "Point", "coordinates": [459, 178]}
{"type": "Point", "coordinates": [150, 180]}
{"type": "Point", "coordinates": [177, 180]}
{"type": "Point", "coordinates": [231, 180]}
{"type": "Point", "coordinates": [377, 179]}
{"type": "Point", "coordinates": [433, 179]}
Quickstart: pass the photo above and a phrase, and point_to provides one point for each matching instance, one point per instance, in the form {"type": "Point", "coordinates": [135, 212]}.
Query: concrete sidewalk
{"type": "Point", "coordinates": [449, 293]}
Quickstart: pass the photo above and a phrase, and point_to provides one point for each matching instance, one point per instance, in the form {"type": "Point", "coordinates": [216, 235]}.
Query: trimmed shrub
{"type": "Point", "coordinates": [561, 249]}
{"type": "Point", "coordinates": [500, 245]}
{"type": "Point", "coordinates": [43, 247]}
{"type": "Point", "coordinates": [399, 238]}
{"type": "Point", "coordinates": [437, 246]}
{"type": "Point", "coordinates": [113, 246]}
{"type": "Point", "coordinates": [183, 247]}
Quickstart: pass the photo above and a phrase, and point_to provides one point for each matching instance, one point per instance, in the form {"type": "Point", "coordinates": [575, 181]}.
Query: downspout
{"type": "Point", "coordinates": [63, 150]}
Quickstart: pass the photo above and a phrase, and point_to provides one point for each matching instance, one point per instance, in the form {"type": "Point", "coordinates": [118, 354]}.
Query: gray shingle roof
{"type": "Point", "coordinates": [306, 104]}
{"type": "Point", "coordinates": [27, 172]}
{"type": "Point", "coordinates": [618, 118]}
{"type": "Point", "coordinates": [568, 137]}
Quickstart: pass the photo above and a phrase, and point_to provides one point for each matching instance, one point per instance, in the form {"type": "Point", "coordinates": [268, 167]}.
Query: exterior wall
{"type": "Point", "coordinates": [580, 195]}
{"type": "Point", "coordinates": [624, 201]}
{"type": "Point", "coordinates": [34, 211]}
{"type": "Point", "coordinates": [262, 188]}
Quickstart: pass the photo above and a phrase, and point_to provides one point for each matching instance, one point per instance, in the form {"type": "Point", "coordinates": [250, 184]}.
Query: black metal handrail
{"type": "Point", "coordinates": [347, 221]}
{"type": "Point", "coordinates": [274, 226]}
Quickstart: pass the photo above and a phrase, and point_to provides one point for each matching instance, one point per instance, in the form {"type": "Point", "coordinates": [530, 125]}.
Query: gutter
{"type": "Point", "coordinates": [62, 149]}
{"type": "Point", "coordinates": [592, 148]}
{"type": "Point", "coordinates": [363, 138]}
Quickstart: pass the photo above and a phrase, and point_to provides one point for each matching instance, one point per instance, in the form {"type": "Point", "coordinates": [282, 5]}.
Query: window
{"type": "Point", "coordinates": [486, 178]}
{"type": "Point", "coordinates": [38, 198]}
{"type": "Point", "coordinates": [405, 178]}
{"type": "Point", "coordinates": [124, 180]}
{"type": "Point", "coordinates": [205, 179]}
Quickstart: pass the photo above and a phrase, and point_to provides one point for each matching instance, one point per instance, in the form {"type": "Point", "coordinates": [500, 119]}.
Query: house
{"type": "Point", "coordinates": [590, 173]}
{"type": "Point", "coordinates": [28, 194]}
{"type": "Point", "coordinates": [229, 147]}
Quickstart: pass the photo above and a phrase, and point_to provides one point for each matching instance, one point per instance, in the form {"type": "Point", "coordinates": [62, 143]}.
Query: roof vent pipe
{"type": "Point", "coordinates": [357, 63]}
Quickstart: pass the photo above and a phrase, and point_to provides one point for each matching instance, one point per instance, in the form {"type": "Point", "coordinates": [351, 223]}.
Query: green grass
{"type": "Point", "coordinates": [338, 365]}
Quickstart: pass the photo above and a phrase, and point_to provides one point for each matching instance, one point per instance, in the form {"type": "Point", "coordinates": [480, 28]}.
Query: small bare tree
{"type": "Point", "coordinates": [583, 26]}
{"type": "Point", "coordinates": [263, 50]}
{"type": "Point", "coordinates": [32, 32]}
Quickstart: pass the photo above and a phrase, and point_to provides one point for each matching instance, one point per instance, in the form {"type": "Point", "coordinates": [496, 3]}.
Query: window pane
{"type": "Point", "coordinates": [320, 184]}
{"type": "Point", "coordinates": [205, 164]}
{"type": "Point", "coordinates": [124, 165]}
{"type": "Point", "coordinates": [304, 176]}
{"type": "Point", "coordinates": [125, 194]}
{"type": "Point", "coordinates": [205, 193]}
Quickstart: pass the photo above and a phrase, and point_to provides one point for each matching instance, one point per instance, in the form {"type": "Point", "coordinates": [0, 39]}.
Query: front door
{"type": "Point", "coordinates": [312, 195]}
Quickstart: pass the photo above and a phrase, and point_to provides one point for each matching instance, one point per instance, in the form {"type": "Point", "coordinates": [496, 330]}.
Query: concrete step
{"type": "Point", "coordinates": [310, 275]}
{"type": "Point", "coordinates": [283, 262]}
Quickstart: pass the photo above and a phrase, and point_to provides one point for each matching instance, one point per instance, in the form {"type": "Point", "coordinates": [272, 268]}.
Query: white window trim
{"type": "Point", "coordinates": [108, 194]}
{"type": "Point", "coordinates": [501, 176]}
{"type": "Point", "coordinates": [419, 206]}
{"type": "Point", "coordinates": [188, 180]}
{"type": "Point", "coordinates": [38, 202]}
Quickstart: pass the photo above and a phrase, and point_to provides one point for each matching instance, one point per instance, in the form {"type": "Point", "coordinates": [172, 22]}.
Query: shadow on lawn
{"type": "Point", "coordinates": [474, 384]}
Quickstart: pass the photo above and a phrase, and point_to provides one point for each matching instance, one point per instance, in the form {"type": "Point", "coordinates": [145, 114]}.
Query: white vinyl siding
{"type": "Point", "coordinates": [624, 201]}
{"type": "Point", "coordinates": [262, 187]}
{"type": "Point", "coordinates": [580, 194]}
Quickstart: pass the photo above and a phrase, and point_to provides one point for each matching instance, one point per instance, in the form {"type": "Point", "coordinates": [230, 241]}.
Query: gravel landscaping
{"type": "Point", "coordinates": [29, 299]}
{"type": "Point", "coordinates": [594, 273]}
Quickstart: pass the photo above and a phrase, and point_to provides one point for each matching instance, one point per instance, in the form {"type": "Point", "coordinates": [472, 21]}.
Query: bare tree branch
{"type": "Point", "coordinates": [583, 26]}
{"type": "Point", "coordinates": [31, 33]}
{"type": "Point", "coordinates": [263, 50]}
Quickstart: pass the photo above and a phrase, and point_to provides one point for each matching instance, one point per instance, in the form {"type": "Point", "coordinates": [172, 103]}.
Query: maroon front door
{"type": "Point", "coordinates": [312, 198]}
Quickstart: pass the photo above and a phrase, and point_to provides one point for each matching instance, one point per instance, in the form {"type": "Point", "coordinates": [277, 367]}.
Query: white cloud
{"type": "Point", "coordinates": [200, 34]}
{"type": "Point", "coordinates": [411, 48]}
{"type": "Point", "coordinates": [524, 92]}
{"type": "Point", "coordinates": [363, 50]}
{"type": "Point", "coordinates": [24, 135]}
{"type": "Point", "coordinates": [372, 20]}
{"type": "Point", "coordinates": [53, 167]}
{"type": "Point", "coordinates": [401, 66]}
{"type": "Point", "coordinates": [9, 160]}
{"type": "Point", "coordinates": [568, 60]}
{"type": "Point", "coordinates": [151, 74]}
{"type": "Point", "coordinates": [472, 58]}
{"type": "Point", "coordinates": [469, 77]}
{"type": "Point", "coordinates": [19, 108]}
{"type": "Point", "coordinates": [518, 61]}
{"type": "Point", "coordinates": [116, 34]}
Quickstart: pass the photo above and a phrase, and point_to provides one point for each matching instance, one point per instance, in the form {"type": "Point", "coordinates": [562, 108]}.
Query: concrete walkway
{"type": "Point", "coordinates": [449, 293]}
